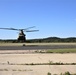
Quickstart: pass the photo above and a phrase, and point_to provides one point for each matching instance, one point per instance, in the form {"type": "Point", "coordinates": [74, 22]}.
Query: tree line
{"type": "Point", "coordinates": [53, 39]}
{"type": "Point", "coordinates": [43, 40]}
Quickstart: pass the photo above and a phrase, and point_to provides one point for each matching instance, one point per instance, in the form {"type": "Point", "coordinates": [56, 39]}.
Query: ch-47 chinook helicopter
{"type": "Point", "coordinates": [21, 36]}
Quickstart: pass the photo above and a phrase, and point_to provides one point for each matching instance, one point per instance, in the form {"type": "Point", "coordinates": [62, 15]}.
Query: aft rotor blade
{"type": "Point", "coordinates": [32, 30]}
{"type": "Point", "coordinates": [9, 28]}
{"type": "Point", "coordinates": [29, 28]}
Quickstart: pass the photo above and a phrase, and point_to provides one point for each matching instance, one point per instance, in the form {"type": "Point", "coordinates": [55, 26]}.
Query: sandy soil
{"type": "Point", "coordinates": [37, 58]}
{"type": "Point", "coordinates": [36, 69]}
{"type": "Point", "coordinates": [7, 59]}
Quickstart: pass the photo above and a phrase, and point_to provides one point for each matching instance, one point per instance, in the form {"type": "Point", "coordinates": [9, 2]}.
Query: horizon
{"type": "Point", "coordinates": [41, 38]}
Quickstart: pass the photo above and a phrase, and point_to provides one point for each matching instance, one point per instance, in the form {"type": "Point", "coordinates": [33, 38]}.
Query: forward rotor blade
{"type": "Point", "coordinates": [31, 30]}
{"type": "Point", "coordinates": [9, 28]}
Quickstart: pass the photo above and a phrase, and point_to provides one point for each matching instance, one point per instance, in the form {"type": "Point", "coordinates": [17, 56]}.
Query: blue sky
{"type": "Point", "coordinates": [53, 18]}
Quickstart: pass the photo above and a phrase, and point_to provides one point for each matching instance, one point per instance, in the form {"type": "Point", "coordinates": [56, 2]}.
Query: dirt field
{"type": "Point", "coordinates": [28, 44]}
{"type": "Point", "coordinates": [15, 64]}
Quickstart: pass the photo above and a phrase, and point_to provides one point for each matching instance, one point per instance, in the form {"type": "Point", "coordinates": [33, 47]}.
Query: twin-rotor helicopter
{"type": "Point", "coordinates": [21, 36]}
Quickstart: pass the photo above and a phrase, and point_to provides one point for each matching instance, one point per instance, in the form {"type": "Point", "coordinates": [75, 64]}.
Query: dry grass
{"type": "Point", "coordinates": [20, 44]}
{"type": "Point", "coordinates": [61, 51]}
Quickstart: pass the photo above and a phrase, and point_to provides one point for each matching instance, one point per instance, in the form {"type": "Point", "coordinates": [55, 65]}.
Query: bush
{"type": "Point", "coordinates": [49, 73]}
{"type": "Point", "coordinates": [67, 73]}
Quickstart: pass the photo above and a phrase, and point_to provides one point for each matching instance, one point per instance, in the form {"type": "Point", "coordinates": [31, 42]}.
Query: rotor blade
{"type": "Point", "coordinates": [31, 30]}
{"type": "Point", "coordinates": [9, 28]}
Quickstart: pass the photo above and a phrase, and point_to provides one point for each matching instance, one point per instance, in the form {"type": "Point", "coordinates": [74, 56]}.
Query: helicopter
{"type": "Point", "coordinates": [21, 35]}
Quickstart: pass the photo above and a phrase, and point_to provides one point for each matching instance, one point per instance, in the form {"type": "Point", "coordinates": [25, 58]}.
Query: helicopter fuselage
{"type": "Point", "coordinates": [21, 36]}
